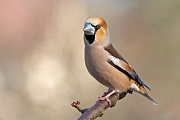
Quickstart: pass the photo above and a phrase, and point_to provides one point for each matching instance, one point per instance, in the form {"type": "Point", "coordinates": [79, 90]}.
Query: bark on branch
{"type": "Point", "coordinates": [97, 110]}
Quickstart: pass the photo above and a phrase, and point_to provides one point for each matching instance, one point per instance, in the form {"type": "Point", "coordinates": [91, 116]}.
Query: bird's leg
{"type": "Point", "coordinates": [106, 96]}
{"type": "Point", "coordinates": [109, 90]}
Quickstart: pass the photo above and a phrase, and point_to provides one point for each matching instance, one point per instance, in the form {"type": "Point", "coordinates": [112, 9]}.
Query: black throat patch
{"type": "Point", "coordinates": [90, 38]}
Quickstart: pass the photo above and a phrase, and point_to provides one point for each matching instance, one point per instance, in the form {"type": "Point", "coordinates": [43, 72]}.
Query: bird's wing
{"type": "Point", "coordinates": [117, 61]}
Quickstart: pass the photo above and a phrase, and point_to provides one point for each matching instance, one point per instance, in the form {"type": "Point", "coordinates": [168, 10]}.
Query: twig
{"type": "Point", "coordinates": [97, 110]}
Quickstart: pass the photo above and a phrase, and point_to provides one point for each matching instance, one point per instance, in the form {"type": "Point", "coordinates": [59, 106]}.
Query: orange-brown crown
{"type": "Point", "coordinates": [102, 34]}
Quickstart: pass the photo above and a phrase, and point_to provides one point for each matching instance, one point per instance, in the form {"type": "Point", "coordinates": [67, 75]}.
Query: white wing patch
{"type": "Point", "coordinates": [114, 60]}
{"type": "Point", "coordinates": [135, 87]}
{"type": "Point", "coordinates": [117, 62]}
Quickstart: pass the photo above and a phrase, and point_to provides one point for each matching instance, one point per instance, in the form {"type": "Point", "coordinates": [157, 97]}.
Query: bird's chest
{"type": "Point", "coordinates": [96, 62]}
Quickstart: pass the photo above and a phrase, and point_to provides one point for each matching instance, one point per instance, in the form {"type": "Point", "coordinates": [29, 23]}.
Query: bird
{"type": "Point", "coordinates": [106, 65]}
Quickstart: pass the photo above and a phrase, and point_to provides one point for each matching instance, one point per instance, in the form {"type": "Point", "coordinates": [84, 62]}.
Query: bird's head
{"type": "Point", "coordinates": [96, 31]}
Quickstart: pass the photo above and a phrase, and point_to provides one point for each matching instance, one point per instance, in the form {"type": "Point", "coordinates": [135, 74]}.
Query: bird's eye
{"type": "Point", "coordinates": [98, 27]}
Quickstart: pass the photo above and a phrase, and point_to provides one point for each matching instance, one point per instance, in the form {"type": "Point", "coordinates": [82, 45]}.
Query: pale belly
{"type": "Point", "coordinates": [103, 72]}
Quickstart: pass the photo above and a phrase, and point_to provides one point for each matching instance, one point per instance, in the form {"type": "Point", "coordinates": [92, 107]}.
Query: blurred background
{"type": "Point", "coordinates": [42, 68]}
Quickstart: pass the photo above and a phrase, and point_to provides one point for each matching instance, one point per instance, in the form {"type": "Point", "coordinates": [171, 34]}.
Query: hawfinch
{"type": "Point", "coordinates": [106, 65]}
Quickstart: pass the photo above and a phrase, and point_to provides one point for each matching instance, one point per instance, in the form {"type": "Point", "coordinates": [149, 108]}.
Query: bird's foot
{"type": "Point", "coordinates": [106, 96]}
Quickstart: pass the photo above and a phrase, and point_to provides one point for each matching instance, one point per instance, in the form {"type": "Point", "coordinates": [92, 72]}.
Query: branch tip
{"type": "Point", "coordinates": [98, 109]}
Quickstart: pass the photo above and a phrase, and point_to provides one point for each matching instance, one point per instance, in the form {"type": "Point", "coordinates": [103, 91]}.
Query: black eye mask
{"type": "Point", "coordinates": [91, 38]}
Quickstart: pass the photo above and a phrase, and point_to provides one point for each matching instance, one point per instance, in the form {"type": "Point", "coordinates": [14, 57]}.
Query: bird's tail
{"type": "Point", "coordinates": [148, 97]}
{"type": "Point", "coordinates": [140, 89]}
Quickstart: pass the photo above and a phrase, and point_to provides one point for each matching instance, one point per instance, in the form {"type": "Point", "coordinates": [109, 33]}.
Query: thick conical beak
{"type": "Point", "coordinates": [89, 29]}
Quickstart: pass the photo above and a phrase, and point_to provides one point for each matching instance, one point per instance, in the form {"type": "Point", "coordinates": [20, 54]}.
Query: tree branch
{"type": "Point", "coordinates": [97, 110]}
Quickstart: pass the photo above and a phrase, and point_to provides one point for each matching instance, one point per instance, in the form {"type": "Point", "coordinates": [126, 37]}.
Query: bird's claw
{"type": "Point", "coordinates": [105, 98]}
